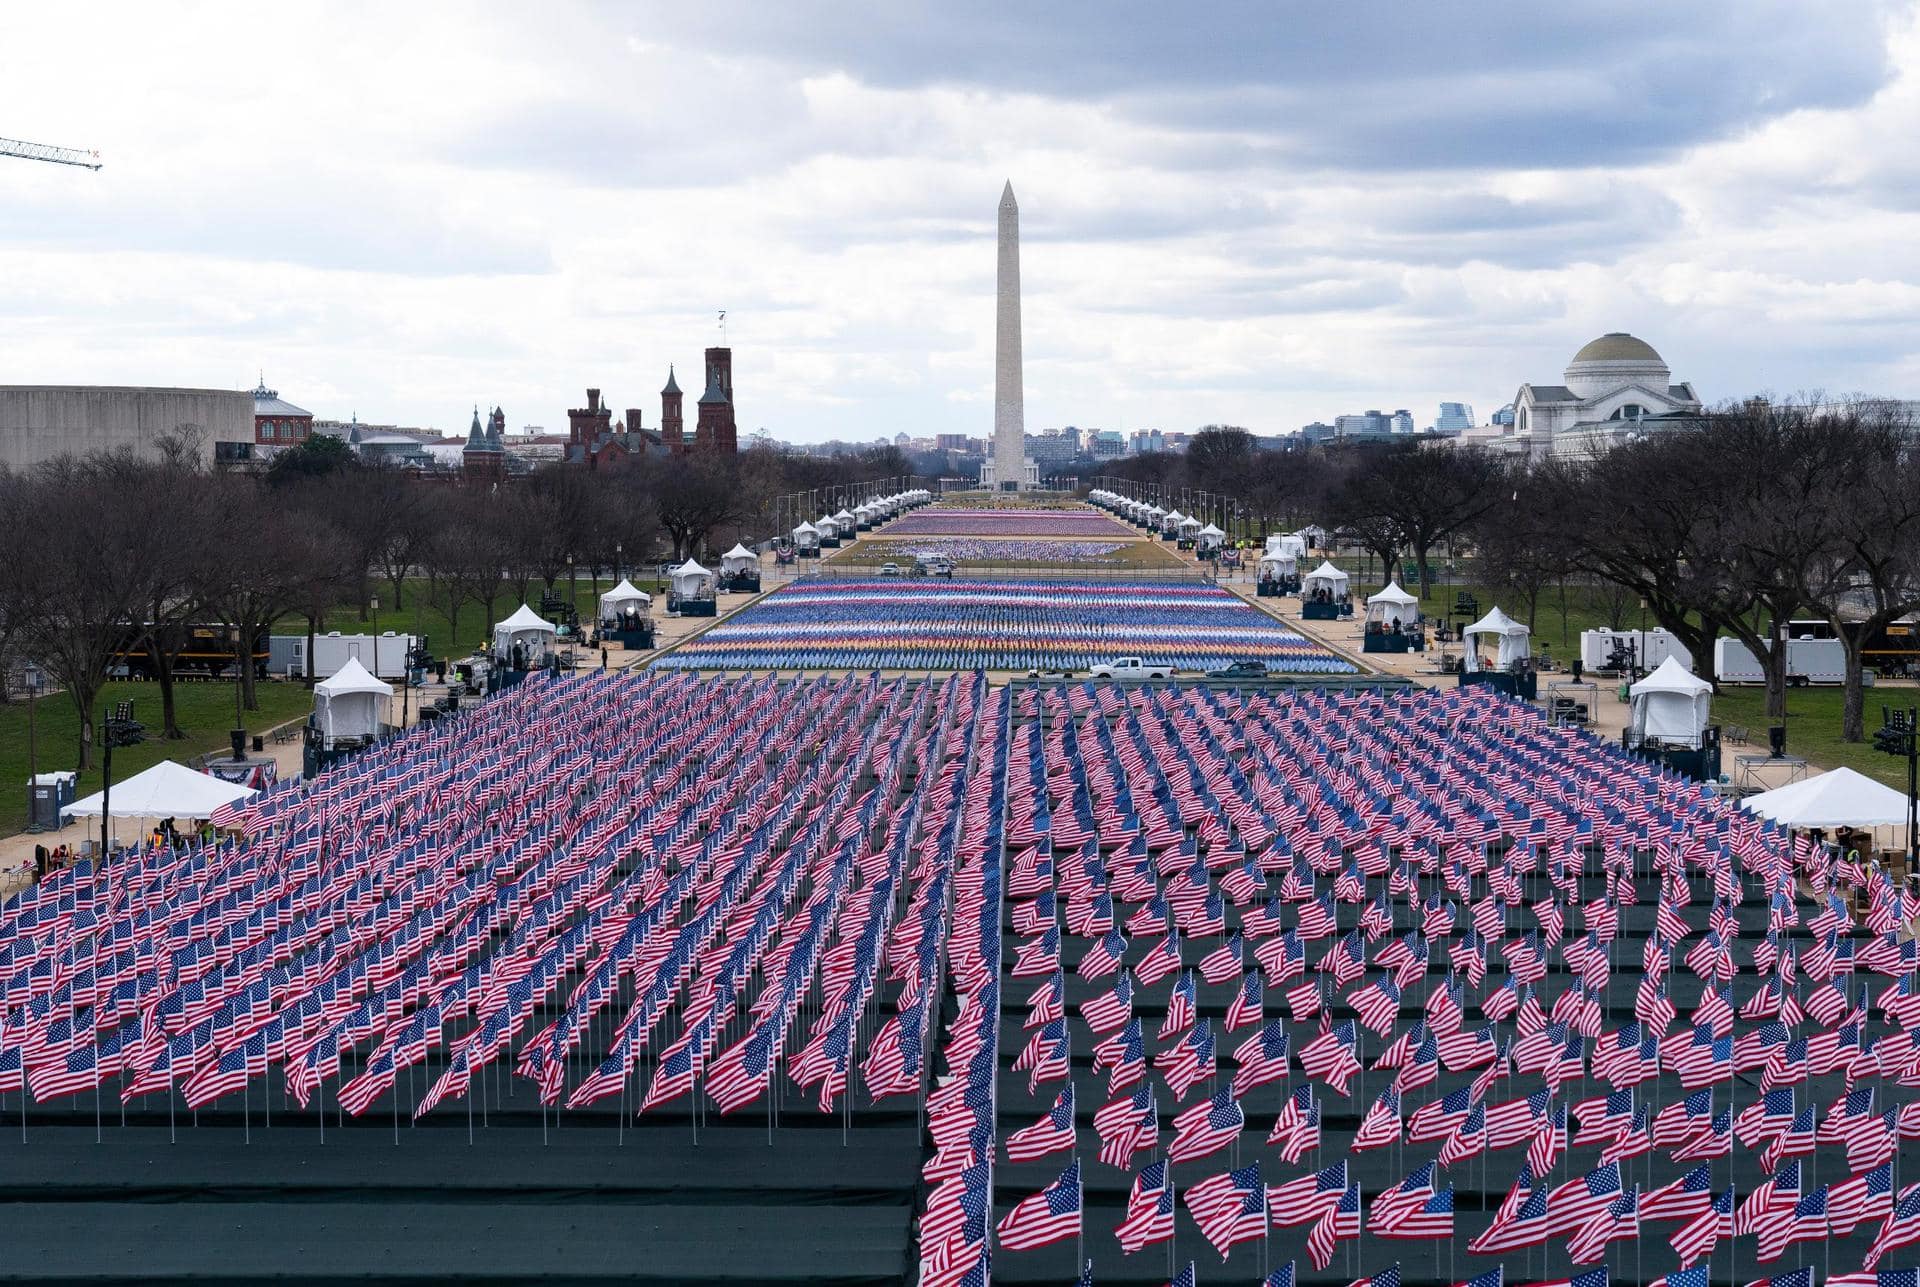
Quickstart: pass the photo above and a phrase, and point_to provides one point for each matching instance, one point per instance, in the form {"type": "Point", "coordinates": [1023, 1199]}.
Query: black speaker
{"type": "Point", "coordinates": [1777, 739]}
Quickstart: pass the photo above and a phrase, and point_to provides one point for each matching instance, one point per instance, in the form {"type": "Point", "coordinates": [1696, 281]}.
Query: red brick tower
{"type": "Point", "coordinates": [720, 371]}
{"type": "Point", "coordinates": [712, 431]}
{"type": "Point", "coordinates": [670, 422]}
{"type": "Point", "coordinates": [586, 425]}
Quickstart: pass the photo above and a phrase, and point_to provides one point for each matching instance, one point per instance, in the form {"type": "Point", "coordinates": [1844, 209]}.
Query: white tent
{"type": "Point", "coordinates": [1190, 526]}
{"type": "Point", "coordinates": [624, 597]}
{"type": "Point", "coordinates": [1325, 577]}
{"type": "Point", "coordinates": [1274, 566]}
{"type": "Point", "coordinates": [350, 703]}
{"type": "Point", "coordinates": [167, 790]}
{"type": "Point", "coordinates": [806, 537]}
{"type": "Point", "coordinates": [844, 519]}
{"type": "Point", "coordinates": [1841, 798]}
{"type": "Point", "coordinates": [525, 627]}
{"type": "Point", "coordinates": [1392, 605]}
{"type": "Point", "coordinates": [1211, 530]}
{"type": "Point", "coordinates": [827, 527]}
{"type": "Point", "coordinates": [739, 559]}
{"type": "Point", "coordinates": [1513, 639]}
{"type": "Point", "coordinates": [1670, 705]}
{"type": "Point", "coordinates": [691, 581]}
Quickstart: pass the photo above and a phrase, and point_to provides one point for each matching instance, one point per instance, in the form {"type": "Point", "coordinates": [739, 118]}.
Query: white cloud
{"type": "Point", "coordinates": [401, 211]}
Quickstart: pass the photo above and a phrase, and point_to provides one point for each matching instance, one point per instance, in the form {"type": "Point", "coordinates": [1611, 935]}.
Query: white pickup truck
{"type": "Point", "coordinates": [1131, 668]}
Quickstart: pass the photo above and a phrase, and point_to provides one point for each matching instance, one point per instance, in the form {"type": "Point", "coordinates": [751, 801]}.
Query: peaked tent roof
{"type": "Point", "coordinates": [526, 619]}
{"type": "Point", "coordinates": [626, 590]}
{"type": "Point", "coordinates": [167, 790]}
{"type": "Point", "coordinates": [1840, 798]}
{"type": "Point", "coordinates": [1671, 677]}
{"type": "Point", "coordinates": [353, 678]}
{"type": "Point", "coordinates": [690, 568]}
{"type": "Point", "coordinates": [1327, 571]}
{"type": "Point", "coordinates": [1497, 622]}
{"type": "Point", "coordinates": [738, 551]}
{"type": "Point", "coordinates": [1211, 530]}
{"type": "Point", "coordinates": [1392, 594]}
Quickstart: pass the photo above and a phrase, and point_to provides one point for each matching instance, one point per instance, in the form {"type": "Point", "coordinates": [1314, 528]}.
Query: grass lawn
{"type": "Point", "coordinates": [205, 713]}
{"type": "Point", "coordinates": [1131, 556]}
{"type": "Point", "coordinates": [418, 613]}
{"type": "Point", "coordinates": [1586, 610]}
{"type": "Point", "coordinates": [1813, 728]}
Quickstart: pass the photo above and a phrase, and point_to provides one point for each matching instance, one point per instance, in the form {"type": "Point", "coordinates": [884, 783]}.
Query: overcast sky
{"type": "Point", "coordinates": [1255, 213]}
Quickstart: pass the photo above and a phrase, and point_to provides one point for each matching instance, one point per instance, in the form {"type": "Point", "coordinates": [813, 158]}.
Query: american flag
{"type": "Point", "coordinates": [1206, 1127]}
{"type": "Point", "coordinates": [1340, 1222]}
{"type": "Point", "coordinates": [1149, 1217]}
{"type": "Point", "coordinates": [1049, 1216]}
{"type": "Point", "coordinates": [1052, 1133]}
{"type": "Point", "coordinates": [1230, 1207]}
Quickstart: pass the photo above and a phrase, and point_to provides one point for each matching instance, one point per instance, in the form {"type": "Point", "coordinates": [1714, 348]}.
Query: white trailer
{"type": "Point", "coordinates": [383, 654]}
{"type": "Point", "coordinates": [1649, 647]}
{"type": "Point", "coordinates": [1809, 661]}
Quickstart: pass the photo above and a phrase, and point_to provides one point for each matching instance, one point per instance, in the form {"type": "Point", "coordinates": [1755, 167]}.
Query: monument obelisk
{"type": "Point", "coordinates": [1009, 398]}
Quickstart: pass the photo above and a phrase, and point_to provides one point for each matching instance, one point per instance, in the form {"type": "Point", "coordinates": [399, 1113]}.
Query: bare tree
{"type": "Point", "coordinates": [85, 567]}
{"type": "Point", "coordinates": [1872, 578]}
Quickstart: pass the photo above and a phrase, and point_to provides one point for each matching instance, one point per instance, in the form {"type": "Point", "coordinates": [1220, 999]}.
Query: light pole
{"type": "Point", "coordinates": [239, 678]}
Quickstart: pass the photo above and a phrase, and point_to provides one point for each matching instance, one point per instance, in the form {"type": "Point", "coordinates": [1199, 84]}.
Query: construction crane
{"type": "Point", "coordinates": [46, 152]}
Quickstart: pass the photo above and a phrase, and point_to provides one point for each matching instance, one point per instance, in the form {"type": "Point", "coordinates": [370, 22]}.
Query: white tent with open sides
{"type": "Point", "coordinates": [1392, 606]}
{"type": "Point", "coordinates": [1325, 577]}
{"type": "Point", "coordinates": [167, 790]}
{"type": "Point", "coordinates": [691, 581]}
{"type": "Point", "coordinates": [738, 559]}
{"type": "Point", "coordinates": [351, 703]}
{"type": "Point", "coordinates": [527, 628]}
{"type": "Point", "coordinates": [1274, 566]}
{"type": "Point", "coordinates": [1670, 705]}
{"type": "Point", "coordinates": [1839, 798]}
{"type": "Point", "coordinates": [806, 537]}
{"type": "Point", "coordinates": [1514, 641]}
{"type": "Point", "coordinates": [625, 597]}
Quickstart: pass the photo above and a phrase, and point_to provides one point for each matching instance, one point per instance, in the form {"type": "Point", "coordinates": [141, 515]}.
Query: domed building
{"type": "Point", "coordinates": [1615, 387]}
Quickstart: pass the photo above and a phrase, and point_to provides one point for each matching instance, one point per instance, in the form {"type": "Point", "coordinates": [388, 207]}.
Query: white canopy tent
{"type": "Point", "coordinates": [1211, 530]}
{"type": "Point", "coordinates": [738, 559]}
{"type": "Point", "coordinates": [350, 703]}
{"type": "Point", "coordinates": [1286, 543]}
{"type": "Point", "coordinates": [691, 581]}
{"type": "Point", "coordinates": [1514, 641]}
{"type": "Point", "coordinates": [528, 628]}
{"type": "Point", "coordinates": [1325, 577]}
{"type": "Point", "coordinates": [1190, 526]}
{"type": "Point", "coordinates": [1274, 566]}
{"type": "Point", "coordinates": [1392, 606]}
{"type": "Point", "coordinates": [844, 520]}
{"type": "Point", "coordinates": [806, 537]}
{"type": "Point", "coordinates": [625, 597]}
{"type": "Point", "coordinates": [1670, 705]}
{"type": "Point", "coordinates": [827, 527]}
{"type": "Point", "coordinates": [1840, 798]}
{"type": "Point", "coordinates": [167, 790]}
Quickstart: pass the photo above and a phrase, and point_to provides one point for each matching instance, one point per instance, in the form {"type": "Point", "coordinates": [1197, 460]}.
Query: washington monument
{"type": "Point", "coordinates": [1009, 399]}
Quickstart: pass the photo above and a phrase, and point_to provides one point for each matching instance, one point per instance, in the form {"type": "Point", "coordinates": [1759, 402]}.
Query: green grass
{"type": "Point", "coordinates": [205, 713]}
{"type": "Point", "coordinates": [1586, 610]}
{"type": "Point", "coordinates": [1813, 730]}
{"type": "Point", "coordinates": [419, 614]}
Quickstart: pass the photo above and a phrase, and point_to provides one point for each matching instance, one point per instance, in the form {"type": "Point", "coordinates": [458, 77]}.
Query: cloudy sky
{"type": "Point", "coordinates": [1254, 212]}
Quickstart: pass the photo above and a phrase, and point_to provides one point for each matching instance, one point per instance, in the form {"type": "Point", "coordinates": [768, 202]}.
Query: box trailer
{"type": "Point", "coordinates": [1649, 647]}
{"type": "Point", "coordinates": [383, 654]}
{"type": "Point", "coordinates": [1809, 661]}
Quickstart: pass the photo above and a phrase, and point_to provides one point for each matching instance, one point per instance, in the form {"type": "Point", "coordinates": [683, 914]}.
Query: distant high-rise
{"type": "Point", "coordinates": [1453, 417]}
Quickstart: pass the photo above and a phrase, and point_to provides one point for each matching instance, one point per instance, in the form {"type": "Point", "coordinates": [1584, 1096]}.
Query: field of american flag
{"type": "Point", "coordinates": [864, 980]}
